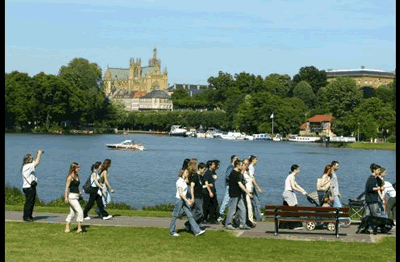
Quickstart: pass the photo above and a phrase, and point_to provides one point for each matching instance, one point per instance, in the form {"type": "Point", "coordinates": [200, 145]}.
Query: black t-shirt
{"type": "Point", "coordinates": [234, 189]}
{"type": "Point", "coordinates": [208, 176]}
{"type": "Point", "coordinates": [371, 196]}
{"type": "Point", "coordinates": [197, 185]}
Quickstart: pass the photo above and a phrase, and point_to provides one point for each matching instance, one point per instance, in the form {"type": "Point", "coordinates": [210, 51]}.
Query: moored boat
{"type": "Point", "coordinates": [277, 138]}
{"type": "Point", "coordinates": [304, 139]}
{"type": "Point", "coordinates": [261, 137]}
{"type": "Point", "coordinates": [177, 130]}
{"type": "Point", "coordinates": [127, 144]}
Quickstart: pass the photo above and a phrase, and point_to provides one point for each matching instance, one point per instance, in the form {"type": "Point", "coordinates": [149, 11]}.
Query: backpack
{"type": "Point", "coordinates": [87, 185]}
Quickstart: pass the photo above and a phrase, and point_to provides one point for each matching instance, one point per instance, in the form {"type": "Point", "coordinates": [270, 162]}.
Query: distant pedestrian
{"type": "Point", "coordinates": [236, 203]}
{"type": "Point", "coordinates": [94, 193]}
{"type": "Point", "coordinates": [29, 183]}
{"type": "Point", "coordinates": [105, 196]}
{"type": "Point", "coordinates": [72, 196]}
{"type": "Point", "coordinates": [335, 185]}
{"type": "Point", "coordinates": [289, 197]}
{"type": "Point", "coordinates": [183, 203]}
{"type": "Point", "coordinates": [255, 200]}
{"type": "Point", "coordinates": [225, 201]}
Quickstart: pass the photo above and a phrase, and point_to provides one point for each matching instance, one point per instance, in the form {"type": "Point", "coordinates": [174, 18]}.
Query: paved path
{"type": "Point", "coordinates": [262, 230]}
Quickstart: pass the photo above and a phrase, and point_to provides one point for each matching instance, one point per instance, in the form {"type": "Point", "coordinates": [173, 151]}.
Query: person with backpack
{"type": "Point", "coordinates": [94, 194]}
{"type": "Point", "coordinates": [105, 196]}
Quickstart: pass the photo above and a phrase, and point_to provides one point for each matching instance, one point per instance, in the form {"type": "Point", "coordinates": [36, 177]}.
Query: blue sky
{"type": "Point", "coordinates": [196, 40]}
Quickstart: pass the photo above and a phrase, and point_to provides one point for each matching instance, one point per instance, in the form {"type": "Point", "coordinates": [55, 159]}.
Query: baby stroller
{"type": "Point", "coordinates": [357, 207]}
{"type": "Point", "coordinates": [311, 225]}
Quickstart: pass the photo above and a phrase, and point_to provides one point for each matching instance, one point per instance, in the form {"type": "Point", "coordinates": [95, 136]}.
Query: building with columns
{"type": "Point", "coordinates": [136, 77]}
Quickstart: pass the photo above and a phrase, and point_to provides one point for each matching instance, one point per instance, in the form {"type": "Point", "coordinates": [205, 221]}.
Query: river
{"type": "Point", "coordinates": [147, 178]}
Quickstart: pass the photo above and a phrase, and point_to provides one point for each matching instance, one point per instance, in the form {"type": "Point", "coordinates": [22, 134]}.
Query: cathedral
{"type": "Point", "coordinates": [136, 78]}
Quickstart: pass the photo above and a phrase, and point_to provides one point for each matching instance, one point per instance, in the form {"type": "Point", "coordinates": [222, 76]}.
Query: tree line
{"type": "Point", "coordinates": [241, 101]}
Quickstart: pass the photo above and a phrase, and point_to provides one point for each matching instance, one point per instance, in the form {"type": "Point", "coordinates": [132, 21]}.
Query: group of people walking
{"type": "Point", "coordinates": [99, 190]}
{"type": "Point", "coordinates": [196, 194]}
{"type": "Point", "coordinates": [200, 203]}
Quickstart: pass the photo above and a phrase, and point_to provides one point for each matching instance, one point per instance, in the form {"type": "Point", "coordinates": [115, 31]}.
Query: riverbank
{"type": "Point", "coordinates": [367, 145]}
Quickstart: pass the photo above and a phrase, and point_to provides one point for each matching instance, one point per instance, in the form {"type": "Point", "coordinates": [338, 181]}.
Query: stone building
{"type": "Point", "coordinates": [142, 101]}
{"type": "Point", "coordinates": [318, 125]}
{"type": "Point", "coordinates": [363, 76]}
{"type": "Point", "coordinates": [136, 77]}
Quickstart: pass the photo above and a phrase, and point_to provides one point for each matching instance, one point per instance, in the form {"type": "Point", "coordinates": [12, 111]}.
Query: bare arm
{"type": "Point", "coordinates": [180, 190]}
{"type": "Point", "coordinates": [67, 189]}
{"type": "Point", "coordinates": [208, 186]}
{"type": "Point", "coordinates": [105, 175]}
{"type": "Point", "coordinates": [244, 189]}
{"type": "Point", "coordinates": [296, 186]}
{"type": "Point", "coordinates": [97, 182]}
{"type": "Point", "coordinates": [37, 159]}
{"type": "Point", "coordinates": [258, 188]}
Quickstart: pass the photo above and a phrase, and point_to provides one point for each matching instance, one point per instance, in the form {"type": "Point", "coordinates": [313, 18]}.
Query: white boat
{"type": "Point", "coordinates": [246, 137]}
{"type": "Point", "coordinates": [233, 136]}
{"type": "Point", "coordinates": [177, 130]}
{"type": "Point", "coordinates": [192, 132]}
{"type": "Point", "coordinates": [261, 137]}
{"type": "Point", "coordinates": [277, 138]}
{"type": "Point", "coordinates": [305, 139]}
{"type": "Point", "coordinates": [127, 144]}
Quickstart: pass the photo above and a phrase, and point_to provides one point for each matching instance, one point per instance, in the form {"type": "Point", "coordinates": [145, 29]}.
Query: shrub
{"type": "Point", "coordinates": [13, 196]}
{"type": "Point", "coordinates": [392, 139]}
{"type": "Point", "coordinates": [160, 207]}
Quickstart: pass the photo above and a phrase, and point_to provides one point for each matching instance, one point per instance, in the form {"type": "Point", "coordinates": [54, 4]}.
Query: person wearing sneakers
{"type": "Point", "coordinates": [94, 194]}
{"type": "Point", "coordinates": [72, 196]}
{"type": "Point", "coordinates": [236, 190]}
{"type": "Point", "coordinates": [182, 203]}
{"type": "Point", "coordinates": [106, 184]}
{"type": "Point", "coordinates": [289, 197]}
{"type": "Point", "coordinates": [225, 201]}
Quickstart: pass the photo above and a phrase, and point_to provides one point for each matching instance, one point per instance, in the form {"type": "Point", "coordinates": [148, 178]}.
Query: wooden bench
{"type": "Point", "coordinates": [306, 214]}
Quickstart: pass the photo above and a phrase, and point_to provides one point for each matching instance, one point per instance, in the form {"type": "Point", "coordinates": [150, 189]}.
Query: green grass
{"type": "Point", "coordinates": [48, 242]}
{"type": "Point", "coordinates": [379, 146]}
{"type": "Point", "coordinates": [121, 212]}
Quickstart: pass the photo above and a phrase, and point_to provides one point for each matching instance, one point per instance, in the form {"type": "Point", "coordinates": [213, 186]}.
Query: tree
{"type": "Point", "coordinates": [304, 92]}
{"type": "Point", "coordinates": [340, 96]}
{"type": "Point", "coordinates": [20, 100]}
{"type": "Point", "coordinates": [86, 98]}
{"type": "Point", "coordinates": [276, 85]}
{"type": "Point", "coordinates": [316, 78]}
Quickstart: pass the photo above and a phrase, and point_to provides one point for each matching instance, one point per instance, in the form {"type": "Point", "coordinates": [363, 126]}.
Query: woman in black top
{"type": "Point", "coordinates": [72, 196]}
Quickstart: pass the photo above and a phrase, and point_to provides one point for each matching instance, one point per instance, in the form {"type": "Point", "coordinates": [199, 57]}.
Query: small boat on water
{"type": "Point", "coordinates": [261, 137]}
{"type": "Point", "coordinates": [304, 139]}
{"type": "Point", "coordinates": [127, 144]}
{"type": "Point", "coordinates": [192, 132]}
{"type": "Point", "coordinates": [177, 130]}
{"type": "Point", "coordinates": [277, 138]}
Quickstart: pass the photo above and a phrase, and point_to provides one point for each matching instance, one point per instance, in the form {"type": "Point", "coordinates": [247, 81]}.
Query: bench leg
{"type": "Point", "coordinates": [337, 227]}
{"type": "Point", "coordinates": [276, 227]}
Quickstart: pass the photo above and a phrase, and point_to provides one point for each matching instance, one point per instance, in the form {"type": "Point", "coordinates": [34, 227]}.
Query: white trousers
{"type": "Point", "coordinates": [75, 208]}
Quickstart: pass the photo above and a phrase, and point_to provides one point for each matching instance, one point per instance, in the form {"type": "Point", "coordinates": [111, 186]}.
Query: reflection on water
{"type": "Point", "coordinates": [148, 177]}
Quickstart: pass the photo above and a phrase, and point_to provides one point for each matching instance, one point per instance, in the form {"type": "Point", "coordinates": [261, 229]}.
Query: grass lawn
{"type": "Point", "coordinates": [45, 242]}
{"type": "Point", "coordinates": [379, 146]}
{"type": "Point", "coordinates": [65, 210]}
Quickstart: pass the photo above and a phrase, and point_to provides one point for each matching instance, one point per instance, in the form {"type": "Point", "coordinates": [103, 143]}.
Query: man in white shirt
{"type": "Point", "coordinates": [29, 183]}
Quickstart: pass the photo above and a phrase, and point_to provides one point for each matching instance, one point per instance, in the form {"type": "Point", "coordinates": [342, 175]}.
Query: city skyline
{"type": "Point", "coordinates": [197, 40]}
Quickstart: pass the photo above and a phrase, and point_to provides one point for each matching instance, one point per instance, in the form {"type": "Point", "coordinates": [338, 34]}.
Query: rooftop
{"type": "Point", "coordinates": [320, 118]}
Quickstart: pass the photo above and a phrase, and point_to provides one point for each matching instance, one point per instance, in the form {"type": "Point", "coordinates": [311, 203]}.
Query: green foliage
{"type": "Point", "coordinates": [13, 196]}
{"type": "Point", "coordinates": [340, 96]}
{"type": "Point", "coordinates": [304, 91]}
{"type": "Point", "coordinates": [392, 139]}
{"type": "Point", "coordinates": [316, 78]}
{"type": "Point", "coordinates": [160, 207]}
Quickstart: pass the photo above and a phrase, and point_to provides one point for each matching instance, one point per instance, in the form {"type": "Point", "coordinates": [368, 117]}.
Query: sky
{"type": "Point", "coordinates": [197, 39]}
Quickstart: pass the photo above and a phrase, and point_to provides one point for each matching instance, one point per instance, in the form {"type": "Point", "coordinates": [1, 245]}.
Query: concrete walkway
{"type": "Point", "coordinates": [262, 230]}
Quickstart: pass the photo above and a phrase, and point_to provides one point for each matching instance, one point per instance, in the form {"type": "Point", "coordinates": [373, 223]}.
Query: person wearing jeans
{"type": "Point", "coordinates": [255, 201]}
{"type": "Point", "coordinates": [225, 201]}
{"type": "Point", "coordinates": [236, 190]}
{"type": "Point", "coordinates": [94, 195]}
{"type": "Point", "coordinates": [182, 203]}
{"type": "Point", "coordinates": [335, 185]}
